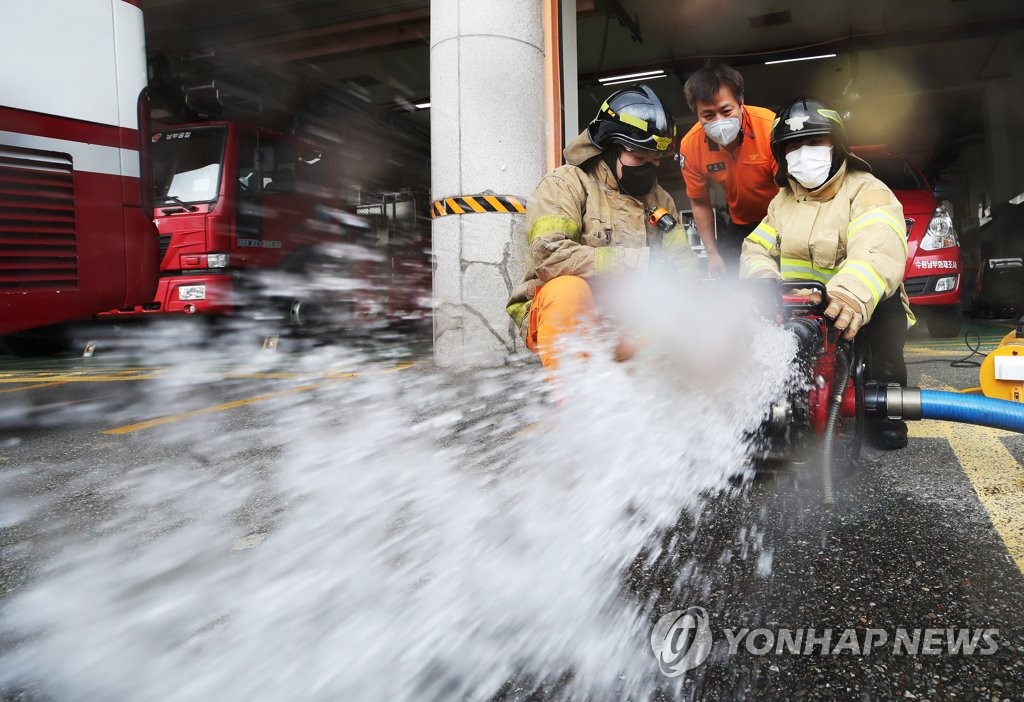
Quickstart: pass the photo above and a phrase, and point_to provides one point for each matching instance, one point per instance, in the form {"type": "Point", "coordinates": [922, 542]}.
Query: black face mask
{"type": "Point", "coordinates": [638, 180]}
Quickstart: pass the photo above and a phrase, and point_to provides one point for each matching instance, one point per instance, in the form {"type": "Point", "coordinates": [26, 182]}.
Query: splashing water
{"type": "Point", "coordinates": [411, 535]}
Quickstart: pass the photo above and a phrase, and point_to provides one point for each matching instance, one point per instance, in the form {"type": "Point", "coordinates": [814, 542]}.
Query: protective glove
{"type": "Point", "coordinates": [847, 312]}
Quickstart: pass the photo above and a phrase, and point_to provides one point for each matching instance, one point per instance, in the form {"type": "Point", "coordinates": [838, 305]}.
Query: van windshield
{"type": "Point", "coordinates": [187, 164]}
{"type": "Point", "coordinates": [897, 173]}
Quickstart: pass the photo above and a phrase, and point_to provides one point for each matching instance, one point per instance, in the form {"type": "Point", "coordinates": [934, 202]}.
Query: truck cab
{"type": "Point", "coordinates": [232, 199]}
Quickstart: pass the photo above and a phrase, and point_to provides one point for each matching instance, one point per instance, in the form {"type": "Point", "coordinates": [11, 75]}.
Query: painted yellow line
{"type": "Point", "coordinates": [168, 419]}
{"type": "Point", "coordinates": [36, 386]}
{"type": "Point", "coordinates": [997, 477]}
{"type": "Point", "coordinates": [77, 377]}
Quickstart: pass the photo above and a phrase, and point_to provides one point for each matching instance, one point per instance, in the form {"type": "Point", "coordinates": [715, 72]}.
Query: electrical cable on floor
{"type": "Point", "coordinates": [964, 362]}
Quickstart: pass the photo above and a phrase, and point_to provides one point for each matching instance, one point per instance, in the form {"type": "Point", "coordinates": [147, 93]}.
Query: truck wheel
{"type": "Point", "coordinates": [944, 323]}
{"type": "Point", "coordinates": [306, 315]}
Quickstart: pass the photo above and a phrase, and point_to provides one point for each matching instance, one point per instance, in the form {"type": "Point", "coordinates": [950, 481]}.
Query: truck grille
{"type": "Point", "coordinates": [38, 243]}
{"type": "Point", "coordinates": [915, 286]}
{"type": "Point", "coordinates": [165, 243]}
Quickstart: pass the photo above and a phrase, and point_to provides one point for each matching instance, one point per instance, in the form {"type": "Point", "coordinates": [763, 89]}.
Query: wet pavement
{"type": "Point", "coordinates": [921, 540]}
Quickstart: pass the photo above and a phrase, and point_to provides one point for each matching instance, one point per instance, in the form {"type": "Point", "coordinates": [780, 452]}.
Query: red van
{"type": "Point", "coordinates": [934, 273]}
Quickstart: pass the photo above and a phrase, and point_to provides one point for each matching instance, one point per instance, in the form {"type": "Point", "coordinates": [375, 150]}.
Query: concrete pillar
{"type": "Point", "coordinates": [487, 136]}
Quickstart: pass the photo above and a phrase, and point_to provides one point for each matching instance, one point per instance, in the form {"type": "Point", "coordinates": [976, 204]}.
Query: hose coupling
{"type": "Point", "coordinates": [892, 401]}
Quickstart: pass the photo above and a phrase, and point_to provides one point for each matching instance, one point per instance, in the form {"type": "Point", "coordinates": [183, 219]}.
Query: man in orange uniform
{"type": "Point", "coordinates": [731, 146]}
{"type": "Point", "coordinates": [595, 218]}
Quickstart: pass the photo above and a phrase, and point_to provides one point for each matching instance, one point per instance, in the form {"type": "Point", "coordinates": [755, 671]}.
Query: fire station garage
{"type": "Point", "coordinates": [444, 353]}
{"type": "Point", "coordinates": [932, 90]}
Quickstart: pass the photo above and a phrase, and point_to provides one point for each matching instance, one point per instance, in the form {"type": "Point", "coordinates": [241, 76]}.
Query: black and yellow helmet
{"type": "Point", "coordinates": [805, 117]}
{"type": "Point", "coordinates": [634, 117]}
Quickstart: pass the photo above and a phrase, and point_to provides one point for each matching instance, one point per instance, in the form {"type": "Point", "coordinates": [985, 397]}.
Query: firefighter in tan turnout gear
{"type": "Point", "coordinates": [835, 223]}
{"type": "Point", "coordinates": [598, 216]}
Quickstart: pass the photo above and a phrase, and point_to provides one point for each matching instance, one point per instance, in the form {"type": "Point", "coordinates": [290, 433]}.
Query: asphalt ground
{"type": "Point", "coordinates": [926, 538]}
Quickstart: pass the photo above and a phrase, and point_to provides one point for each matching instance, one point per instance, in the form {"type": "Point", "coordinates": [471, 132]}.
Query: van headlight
{"type": "Point", "coordinates": [940, 233]}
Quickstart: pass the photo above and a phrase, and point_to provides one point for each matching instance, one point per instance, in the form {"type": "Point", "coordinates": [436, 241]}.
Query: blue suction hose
{"type": "Point", "coordinates": [915, 403]}
{"type": "Point", "coordinates": [972, 409]}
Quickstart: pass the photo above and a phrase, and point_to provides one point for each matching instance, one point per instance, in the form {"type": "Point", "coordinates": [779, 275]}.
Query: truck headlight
{"type": "Point", "coordinates": [940, 233]}
{"type": "Point", "coordinates": [944, 284]}
{"type": "Point", "coordinates": [217, 260]}
{"type": "Point", "coordinates": [192, 292]}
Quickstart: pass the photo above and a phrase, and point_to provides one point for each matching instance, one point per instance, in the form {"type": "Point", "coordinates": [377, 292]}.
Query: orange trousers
{"type": "Point", "coordinates": [564, 305]}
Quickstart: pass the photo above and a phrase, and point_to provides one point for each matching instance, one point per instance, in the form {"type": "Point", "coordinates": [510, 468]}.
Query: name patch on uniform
{"type": "Point", "coordinates": [719, 166]}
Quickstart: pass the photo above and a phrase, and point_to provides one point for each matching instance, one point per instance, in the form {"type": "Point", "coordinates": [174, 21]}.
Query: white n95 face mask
{"type": "Point", "coordinates": [723, 131]}
{"type": "Point", "coordinates": [809, 165]}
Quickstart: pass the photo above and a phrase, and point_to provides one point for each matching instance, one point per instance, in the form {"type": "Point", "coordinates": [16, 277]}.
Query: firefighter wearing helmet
{"type": "Point", "coordinates": [835, 223]}
{"type": "Point", "coordinates": [596, 217]}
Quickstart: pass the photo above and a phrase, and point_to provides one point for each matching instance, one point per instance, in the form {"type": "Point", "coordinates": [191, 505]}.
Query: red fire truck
{"type": "Point", "coordinates": [230, 197]}
{"type": "Point", "coordinates": [76, 231]}
{"type": "Point", "coordinates": [260, 220]}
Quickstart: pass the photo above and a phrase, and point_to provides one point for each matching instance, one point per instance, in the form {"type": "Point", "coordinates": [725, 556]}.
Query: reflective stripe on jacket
{"type": "Point", "coordinates": [849, 234]}
{"type": "Point", "coordinates": [578, 223]}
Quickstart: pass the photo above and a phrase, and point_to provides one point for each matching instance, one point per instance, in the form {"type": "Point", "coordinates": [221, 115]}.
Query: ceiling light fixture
{"type": "Point", "coordinates": [422, 105]}
{"type": "Point", "coordinates": [631, 80]}
{"type": "Point", "coordinates": [800, 58]}
{"type": "Point", "coordinates": [626, 77]}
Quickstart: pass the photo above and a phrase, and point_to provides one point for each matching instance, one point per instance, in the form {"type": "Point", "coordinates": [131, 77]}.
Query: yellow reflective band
{"type": "Point", "coordinates": [633, 121]}
{"type": "Point", "coordinates": [517, 311]}
{"type": "Point", "coordinates": [554, 224]}
{"type": "Point", "coordinates": [796, 269]}
{"type": "Point", "coordinates": [675, 239]}
{"type": "Point", "coordinates": [606, 258]}
{"type": "Point", "coordinates": [758, 236]}
{"type": "Point", "coordinates": [759, 263]}
{"type": "Point", "coordinates": [831, 114]}
{"type": "Point", "coordinates": [867, 275]}
{"type": "Point", "coordinates": [875, 215]}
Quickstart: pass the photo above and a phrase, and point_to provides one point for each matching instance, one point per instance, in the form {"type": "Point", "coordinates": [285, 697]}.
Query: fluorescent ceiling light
{"type": "Point", "coordinates": [1017, 200]}
{"type": "Point", "coordinates": [422, 105]}
{"type": "Point", "coordinates": [801, 58]}
{"type": "Point", "coordinates": [630, 76]}
{"type": "Point", "coordinates": [633, 80]}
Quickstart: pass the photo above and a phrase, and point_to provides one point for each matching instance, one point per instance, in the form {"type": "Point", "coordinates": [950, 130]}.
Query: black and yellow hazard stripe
{"type": "Point", "coordinates": [470, 204]}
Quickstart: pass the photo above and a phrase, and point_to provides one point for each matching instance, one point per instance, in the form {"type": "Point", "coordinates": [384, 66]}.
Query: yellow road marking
{"type": "Point", "coordinates": [167, 419]}
{"type": "Point", "coordinates": [32, 387]}
{"type": "Point", "coordinates": [79, 377]}
{"type": "Point", "coordinates": [997, 477]}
